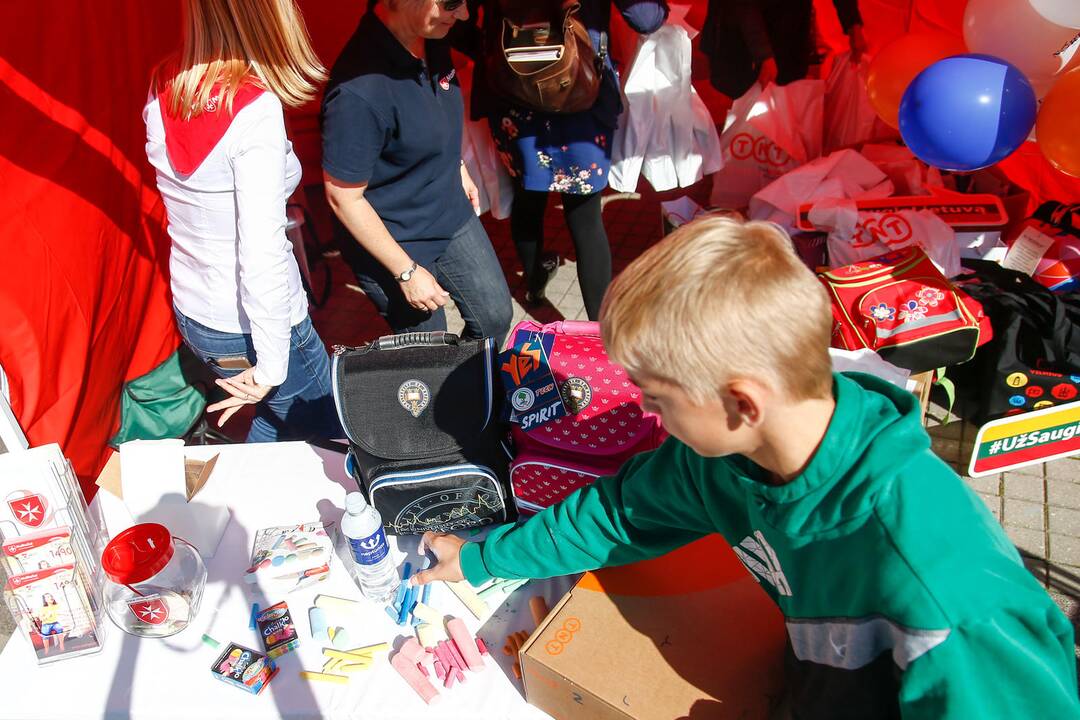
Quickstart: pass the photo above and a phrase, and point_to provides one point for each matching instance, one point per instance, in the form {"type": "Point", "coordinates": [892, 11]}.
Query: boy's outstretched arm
{"type": "Point", "coordinates": [649, 508]}
{"type": "Point", "coordinates": [1016, 663]}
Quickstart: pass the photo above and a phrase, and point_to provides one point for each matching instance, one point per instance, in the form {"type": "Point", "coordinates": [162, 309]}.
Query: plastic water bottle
{"type": "Point", "coordinates": [374, 567]}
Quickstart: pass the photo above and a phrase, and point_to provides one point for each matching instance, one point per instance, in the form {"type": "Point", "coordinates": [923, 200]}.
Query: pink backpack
{"type": "Point", "coordinates": [605, 424]}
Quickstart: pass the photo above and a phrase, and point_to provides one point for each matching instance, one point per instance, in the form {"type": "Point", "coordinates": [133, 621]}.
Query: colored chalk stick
{"type": "Point", "coordinates": [439, 671]}
{"type": "Point", "coordinates": [468, 598]}
{"type": "Point", "coordinates": [459, 661]}
{"type": "Point", "coordinates": [539, 609]}
{"type": "Point", "coordinates": [481, 646]}
{"type": "Point", "coordinates": [465, 644]}
{"type": "Point", "coordinates": [399, 596]}
{"type": "Point", "coordinates": [411, 674]}
{"type": "Point", "coordinates": [254, 613]}
{"type": "Point", "coordinates": [323, 677]}
{"type": "Point", "coordinates": [347, 656]}
{"type": "Point", "coordinates": [341, 639]}
{"type": "Point", "coordinates": [412, 650]}
{"type": "Point", "coordinates": [207, 640]}
{"type": "Point", "coordinates": [329, 603]}
{"type": "Point", "coordinates": [353, 667]}
{"type": "Point", "coordinates": [427, 614]}
{"type": "Point", "coordinates": [406, 604]}
{"type": "Point", "coordinates": [317, 622]}
{"type": "Point", "coordinates": [377, 647]}
{"type": "Point", "coordinates": [393, 613]}
{"type": "Point", "coordinates": [427, 634]}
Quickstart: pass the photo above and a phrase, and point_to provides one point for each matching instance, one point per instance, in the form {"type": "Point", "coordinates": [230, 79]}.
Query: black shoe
{"type": "Point", "coordinates": [549, 265]}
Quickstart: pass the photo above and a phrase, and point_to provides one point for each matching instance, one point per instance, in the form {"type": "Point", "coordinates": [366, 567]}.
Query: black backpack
{"type": "Point", "coordinates": [1033, 360]}
{"type": "Point", "coordinates": [425, 430]}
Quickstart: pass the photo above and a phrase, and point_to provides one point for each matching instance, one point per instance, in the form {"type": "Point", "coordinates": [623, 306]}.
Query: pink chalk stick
{"type": "Point", "coordinates": [412, 650]}
{"type": "Point", "coordinates": [439, 672]}
{"type": "Point", "coordinates": [465, 643]}
{"type": "Point", "coordinates": [443, 653]}
{"type": "Point", "coordinates": [410, 673]}
{"type": "Point", "coordinates": [448, 681]}
{"type": "Point", "coordinates": [481, 646]}
{"type": "Point", "coordinates": [459, 660]}
{"type": "Point", "coordinates": [460, 676]}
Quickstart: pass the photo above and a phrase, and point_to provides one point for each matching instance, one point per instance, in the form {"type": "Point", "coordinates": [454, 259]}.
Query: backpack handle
{"type": "Point", "coordinates": [415, 339]}
{"type": "Point", "coordinates": [578, 327]}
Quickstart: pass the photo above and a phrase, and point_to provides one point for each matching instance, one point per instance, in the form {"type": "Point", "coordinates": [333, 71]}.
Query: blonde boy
{"type": "Point", "coordinates": [902, 596]}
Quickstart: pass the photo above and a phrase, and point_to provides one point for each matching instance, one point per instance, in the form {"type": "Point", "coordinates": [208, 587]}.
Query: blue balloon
{"type": "Point", "coordinates": [967, 112]}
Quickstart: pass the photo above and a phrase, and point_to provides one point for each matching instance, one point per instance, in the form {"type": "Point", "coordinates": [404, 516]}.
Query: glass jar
{"type": "Point", "coordinates": [154, 581]}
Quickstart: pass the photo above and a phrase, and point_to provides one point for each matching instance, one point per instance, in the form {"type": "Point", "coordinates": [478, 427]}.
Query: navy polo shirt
{"type": "Point", "coordinates": [394, 121]}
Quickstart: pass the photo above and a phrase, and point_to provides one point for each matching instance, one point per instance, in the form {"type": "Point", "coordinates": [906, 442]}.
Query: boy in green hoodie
{"type": "Point", "coordinates": [901, 594]}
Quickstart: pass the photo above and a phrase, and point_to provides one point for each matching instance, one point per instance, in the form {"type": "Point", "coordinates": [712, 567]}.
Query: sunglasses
{"type": "Point", "coordinates": [449, 5]}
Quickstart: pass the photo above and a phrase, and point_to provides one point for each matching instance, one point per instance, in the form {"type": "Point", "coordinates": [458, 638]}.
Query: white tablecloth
{"type": "Point", "coordinates": [264, 485]}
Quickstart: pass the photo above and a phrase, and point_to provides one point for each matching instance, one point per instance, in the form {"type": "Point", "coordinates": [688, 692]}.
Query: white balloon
{"type": "Point", "coordinates": [1013, 31]}
{"type": "Point", "coordinates": [1059, 12]}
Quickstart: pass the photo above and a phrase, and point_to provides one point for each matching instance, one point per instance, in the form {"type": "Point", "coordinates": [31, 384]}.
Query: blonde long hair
{"type": "Point", "coordinates": [227, 42]}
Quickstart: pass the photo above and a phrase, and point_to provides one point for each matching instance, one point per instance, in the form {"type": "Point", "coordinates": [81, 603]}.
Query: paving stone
{"type": "Point", "coordinates": [1064, 521]}
{"type": "Point", "coordinates": [1033, 470]}
{"type": "Point", "coordinates": [988, 484]}
{"type": "Point", "coordinates": [1025, 487]}
{"type": "Point", "coordinates": [946, 449]}
{"type": "Point", "coordinates": [994, 503]}
{"type": "Point", "coordinates": [1063, 493]}
{"type": "Point", "coordinates": [1064, 549]}
{"type": "Point", "coordinates": [950, 431]}
{"type": "Point", "coordinates": [1064, 469]}
{"type": "Point", "coordinates": [1021, 513]}
{"type": "Point", "coordinates": [1033, 542]}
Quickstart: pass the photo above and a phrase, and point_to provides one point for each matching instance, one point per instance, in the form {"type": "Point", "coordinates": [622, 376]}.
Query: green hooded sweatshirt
{"type": "Point", "coordinates": [901, 594]}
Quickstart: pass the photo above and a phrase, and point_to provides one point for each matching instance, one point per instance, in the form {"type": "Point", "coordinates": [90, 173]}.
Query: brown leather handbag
{"type": "Point", "coordinates": [539, 55]}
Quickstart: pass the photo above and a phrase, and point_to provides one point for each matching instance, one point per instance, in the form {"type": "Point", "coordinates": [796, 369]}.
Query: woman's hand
{"type": "Point", "coordinates": [470, 189]}
{"type": "Point", "coordinates": [244, 391]}
{"type": "Point", "coordinates": [447, 549]}
{"type": "Point", "coordinates": [423, 291]}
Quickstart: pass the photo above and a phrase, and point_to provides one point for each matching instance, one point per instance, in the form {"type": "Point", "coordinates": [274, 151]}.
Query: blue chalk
{"type": "Point", "coordinates": [406, 571]}
{"type": "Point", "coordinates": [426, 594]}
{"type": "Point", "coordinates": [392, 613]}
{"type": "Point", "coordinates": [400, 596]}
{"type": "Point", "coordinates": [407, 604]}
{"type": "Point", "coordinates": [317, 620]}
{"type": "Point", "coordinates": [254, 613]}
{"type": "Point", "coordinates": [427, 562]}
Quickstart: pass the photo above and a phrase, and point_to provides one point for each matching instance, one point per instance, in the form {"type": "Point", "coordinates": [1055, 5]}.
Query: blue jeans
{"type": "Point", "coordinates": [302, 407]}
{"type": "Point", "coordinates": [468, 269]}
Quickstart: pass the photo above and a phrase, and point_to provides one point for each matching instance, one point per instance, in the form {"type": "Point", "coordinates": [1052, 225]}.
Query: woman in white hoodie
{"type": "Point", "coordinates": [215, 134]}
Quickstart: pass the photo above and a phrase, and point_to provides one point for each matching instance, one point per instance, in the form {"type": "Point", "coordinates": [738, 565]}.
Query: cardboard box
{"type": "Point", "coordinates": [923, 382]}
{"type": "Point", "coordinates": [170, 490]}
{"type": "Point", "coordinates": [691, 634]}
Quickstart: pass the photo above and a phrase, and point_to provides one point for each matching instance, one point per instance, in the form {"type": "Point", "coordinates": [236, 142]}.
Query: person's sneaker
{"type": "Point", "coordinates": [549, 265]}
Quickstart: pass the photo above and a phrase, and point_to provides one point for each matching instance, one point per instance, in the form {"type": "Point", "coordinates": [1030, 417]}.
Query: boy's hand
{"type": "Point", "coordinates": [447, 549]}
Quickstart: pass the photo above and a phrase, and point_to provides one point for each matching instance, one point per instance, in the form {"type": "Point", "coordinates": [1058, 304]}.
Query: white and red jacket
{"type": "Point", "coordinates": [225, 179]}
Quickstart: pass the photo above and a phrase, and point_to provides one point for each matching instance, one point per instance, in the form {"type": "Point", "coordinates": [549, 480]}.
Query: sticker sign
{"type": "Point", "coordinates": [1027, 439]}
{"type": "Point", "coordinates": [529, 382]}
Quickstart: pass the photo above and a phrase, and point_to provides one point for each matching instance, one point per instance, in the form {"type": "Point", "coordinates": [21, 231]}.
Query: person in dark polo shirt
{"type": "Point", "coordinates": [392, 120]}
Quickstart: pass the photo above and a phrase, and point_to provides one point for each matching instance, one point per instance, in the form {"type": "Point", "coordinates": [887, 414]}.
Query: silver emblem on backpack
{"type": "Point", "coordinates": [414, 396]}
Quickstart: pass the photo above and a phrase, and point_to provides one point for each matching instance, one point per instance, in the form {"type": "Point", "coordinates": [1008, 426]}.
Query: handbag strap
{"type": "Point", "coordinates": [416, 339]}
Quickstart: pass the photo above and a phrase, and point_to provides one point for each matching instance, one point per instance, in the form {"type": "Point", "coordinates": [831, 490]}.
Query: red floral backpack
{"type": "Point", "coordinates": [901, 306]}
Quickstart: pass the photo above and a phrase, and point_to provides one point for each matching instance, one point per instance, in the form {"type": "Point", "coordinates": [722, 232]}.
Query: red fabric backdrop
{"type": "Point", "coordinates": [84, 302]}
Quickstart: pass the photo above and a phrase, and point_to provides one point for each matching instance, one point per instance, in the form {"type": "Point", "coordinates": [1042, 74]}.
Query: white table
{"type": "Point", "coordinates": [264, 485]}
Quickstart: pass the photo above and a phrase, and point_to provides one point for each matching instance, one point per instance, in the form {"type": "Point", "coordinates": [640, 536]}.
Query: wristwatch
{"type": "Point", "coordinates": [407, 275]}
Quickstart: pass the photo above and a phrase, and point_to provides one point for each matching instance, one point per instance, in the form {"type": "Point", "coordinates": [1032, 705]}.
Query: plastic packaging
{"type": "Point", "coordinates": [154, 581]}
{"type": "Point", "coordinates": [374, 568]}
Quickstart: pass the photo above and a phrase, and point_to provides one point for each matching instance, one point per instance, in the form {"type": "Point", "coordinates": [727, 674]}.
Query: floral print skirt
{"type": "Point", "coordinates": [553, 153]}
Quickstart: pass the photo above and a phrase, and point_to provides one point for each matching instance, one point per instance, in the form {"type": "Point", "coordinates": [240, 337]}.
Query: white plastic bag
{"type": "Point", "coordinates": [855, 236]}
{"type": "Point", "coordinates": [850, 119]}
{"type": "Point", "coordinates": [910, 175]}
{"type": "Point", "coordinates": [482, 159]}
{"type": "Point", "coordinates": [768, 133]}
{"type": "Point", "coordinates": [665, 132]}
{"type": "Point", "coordinates": [843, 174]}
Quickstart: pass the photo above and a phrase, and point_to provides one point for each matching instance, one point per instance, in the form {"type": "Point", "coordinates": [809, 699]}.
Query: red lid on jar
{"type": "Point", "coordinates": [138, 553]}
